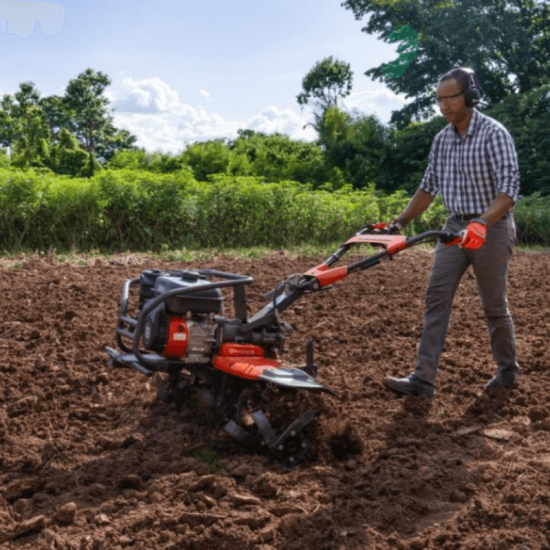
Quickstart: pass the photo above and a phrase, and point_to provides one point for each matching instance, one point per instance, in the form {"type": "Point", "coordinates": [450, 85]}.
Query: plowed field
{"type": "Point", "coordinates": [90, 459]}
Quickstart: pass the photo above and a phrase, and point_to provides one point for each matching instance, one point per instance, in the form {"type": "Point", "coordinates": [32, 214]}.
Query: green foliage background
{"type": "Point", "coordinates": [125, 209]}
{"type": "Point", "coordinates": [256, 190]}
{"type": "Point", "coordinates": [139, 210]}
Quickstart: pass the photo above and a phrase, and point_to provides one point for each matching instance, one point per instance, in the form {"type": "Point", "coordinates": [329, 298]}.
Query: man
{"type": "Point", "coordinates": [473, 164]}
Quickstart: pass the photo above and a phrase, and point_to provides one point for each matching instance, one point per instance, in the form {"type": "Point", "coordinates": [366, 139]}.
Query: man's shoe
{"type": "Point", "coordinates": [410, 385]}
{"type": "Point", "coordinates": [499, 381]}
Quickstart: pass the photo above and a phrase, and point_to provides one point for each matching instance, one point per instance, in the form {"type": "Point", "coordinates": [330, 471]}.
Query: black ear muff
{"type": "Point", "coordinates": [472, 95]}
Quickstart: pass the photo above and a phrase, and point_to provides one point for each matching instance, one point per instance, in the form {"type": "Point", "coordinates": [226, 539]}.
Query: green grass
{"type": "Point", "coordinates": [520, 247]}
{"type": "Point", "coordinates": [75, 257]}
{"type": "Point", "coordinates": [211, 458]}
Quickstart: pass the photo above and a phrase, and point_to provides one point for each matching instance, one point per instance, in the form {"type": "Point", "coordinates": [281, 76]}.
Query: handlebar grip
{"type": "Point", "coordinates": [450, 237]}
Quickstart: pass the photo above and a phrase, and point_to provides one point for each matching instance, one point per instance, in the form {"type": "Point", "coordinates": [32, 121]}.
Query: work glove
{"type": "Point", "coordinates": [396, 226]}
{"type": "Point", "coordinates": [453, 241]}
{"type": "Point", "coordinates": [474, 236]}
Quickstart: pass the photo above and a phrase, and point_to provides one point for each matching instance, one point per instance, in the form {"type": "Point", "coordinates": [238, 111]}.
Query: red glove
{"type": "Point", "coordinates": [474, 235]}
{"type": "Point", "coordinates": [456, 240]}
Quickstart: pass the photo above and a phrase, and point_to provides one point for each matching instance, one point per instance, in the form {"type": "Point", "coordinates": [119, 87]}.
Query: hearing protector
{"type": "Point", "coordinates": [472, 95]}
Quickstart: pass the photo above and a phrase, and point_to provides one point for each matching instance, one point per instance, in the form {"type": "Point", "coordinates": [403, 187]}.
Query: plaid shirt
{"type": "Point", "coordinates": [470, 171]}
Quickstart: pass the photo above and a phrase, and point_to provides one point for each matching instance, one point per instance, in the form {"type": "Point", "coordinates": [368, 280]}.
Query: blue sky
{"type": "Point", "coordinates": [191, 70]}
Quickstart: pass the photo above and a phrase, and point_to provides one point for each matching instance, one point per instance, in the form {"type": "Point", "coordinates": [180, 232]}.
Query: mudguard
{"type": "Point", "coordinates": [268, 370]}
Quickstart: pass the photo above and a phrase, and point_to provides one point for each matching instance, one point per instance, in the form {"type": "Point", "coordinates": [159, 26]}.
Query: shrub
{"type": "Point", "coordinates": [142, 210]}
{"type": "Point", "coordinates": [533, 219]}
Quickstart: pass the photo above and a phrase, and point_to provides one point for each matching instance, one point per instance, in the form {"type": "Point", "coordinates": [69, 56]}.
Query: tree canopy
{"type": "Point", "coordinates": [70, 134]}
{"type": "Point", "coordinates": [507, 43]}
{"type": "Point", "coordinates": [527, 117]}
{"type": "Point", "coordinates": [354, 144]}
{"type": "Point", "coordinates": [326, 82]}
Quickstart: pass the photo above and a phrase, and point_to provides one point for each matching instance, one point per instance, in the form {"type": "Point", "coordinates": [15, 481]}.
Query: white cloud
{"type": "Point", "coordinates": [376, 102]}
{"type": "Point", "coordinates": [110, 94]}
{"type": "Point", "coordinates": [204, 93]}
{"type": "Point", "coordinates": [151, 110]}
{"type": "Point", "coordinates": [284, 121]}
{"type": "Point", "coordinates": [151, 95]}
{"type": "Point", "coordinates": [170, 131]}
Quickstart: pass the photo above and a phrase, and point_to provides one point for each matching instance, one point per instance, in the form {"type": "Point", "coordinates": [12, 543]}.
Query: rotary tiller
{"type": "Point", "coordinates": [228, 364]}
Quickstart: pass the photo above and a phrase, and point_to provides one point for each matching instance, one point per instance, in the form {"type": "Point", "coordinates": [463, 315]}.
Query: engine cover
{"type": "Point", "coordinates": [180, 327]}
{"type": "Point", "coordinates": [154, 283]}
{"type": "Point", "coordinates": [178, 338]}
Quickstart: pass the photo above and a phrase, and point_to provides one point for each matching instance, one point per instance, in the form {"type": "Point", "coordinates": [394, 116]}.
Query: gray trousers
{"type": "Point", "coordinates": [490, 264]}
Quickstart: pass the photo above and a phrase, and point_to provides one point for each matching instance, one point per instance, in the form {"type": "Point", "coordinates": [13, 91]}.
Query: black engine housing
{"type": "Point", "coordinates": [155, 282]}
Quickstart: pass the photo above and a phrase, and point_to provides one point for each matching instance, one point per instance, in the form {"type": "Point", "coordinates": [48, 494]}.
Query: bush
{"type": "Point", "coordinates": [20, 199]}
{"type": "Point", "coordinates": [533, 219]}
{"type": "Point", "coordinates": [4, 159]}
{"type": "Point", "coordinates": [68, 216]}
{"type": "Point", "coordinates": [246, 211]}
{"type": "Point", "coordinates": [142, 211]}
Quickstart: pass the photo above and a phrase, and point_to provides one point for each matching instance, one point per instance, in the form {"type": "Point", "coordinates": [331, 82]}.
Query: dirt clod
{"type": "Point", "coordinates": [66, 513]}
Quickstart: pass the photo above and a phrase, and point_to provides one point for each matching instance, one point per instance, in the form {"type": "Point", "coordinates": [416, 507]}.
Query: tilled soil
{"type": "Point", "coordinates": [91, 459]}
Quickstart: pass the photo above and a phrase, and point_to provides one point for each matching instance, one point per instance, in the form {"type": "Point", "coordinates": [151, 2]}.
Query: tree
{"type": "Point", "coordinates": [4, 159]}
{"type": "Point", "coordinates": [88, 107]}
{"type": "Point", "coordinates": [89, 116]}
{"type": "Point", "coordinates": [7, 123]}
{"type": "Point", "coordinates": [277, 157]}
{"type": "Point", "coordinates": [23, 127]}
{"type": "Point", "coordinates": [328, 81]}
{"type": "Point", "coordinates": [211, 157]}
{"type": "Point", "coordinates": [31, 147]}
{"type": "Point", "coordinates": [407, 155]}
{"type": "Point", "coordinates": [56, 114]}
{"type": "Point", "coordinates": [36, 128]}
{"type": "Point", "coordinates": [355, 144]}
{"type": "Point", "coordinates": [507, 42]}
{"type": "Point", "coordinates": [140, 159]}
{"type": "Point", "coordinates": [527, 117]}
{"type": "Point", "coordinates": [113, 140]}
{"type": "Point", "coordinates": [67, 156]}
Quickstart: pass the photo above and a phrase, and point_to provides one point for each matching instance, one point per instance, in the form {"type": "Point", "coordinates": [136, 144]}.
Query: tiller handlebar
{"type": "Point", "coordinates": [322, 276]}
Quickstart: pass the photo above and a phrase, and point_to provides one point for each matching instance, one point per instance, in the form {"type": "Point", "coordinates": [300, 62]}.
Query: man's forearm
{"type": "Point", "coordinates": [419, 203]}
{"type": "Point", "coordinates": [497, 209]}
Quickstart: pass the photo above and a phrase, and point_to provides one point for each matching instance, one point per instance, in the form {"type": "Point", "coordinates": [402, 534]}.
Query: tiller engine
{"type": "Point", "coordinates": [179, 328]}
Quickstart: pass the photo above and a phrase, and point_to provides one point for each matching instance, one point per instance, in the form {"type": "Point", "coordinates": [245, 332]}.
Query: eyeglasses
{"type": "Point", "coordinates": [442, 99]}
